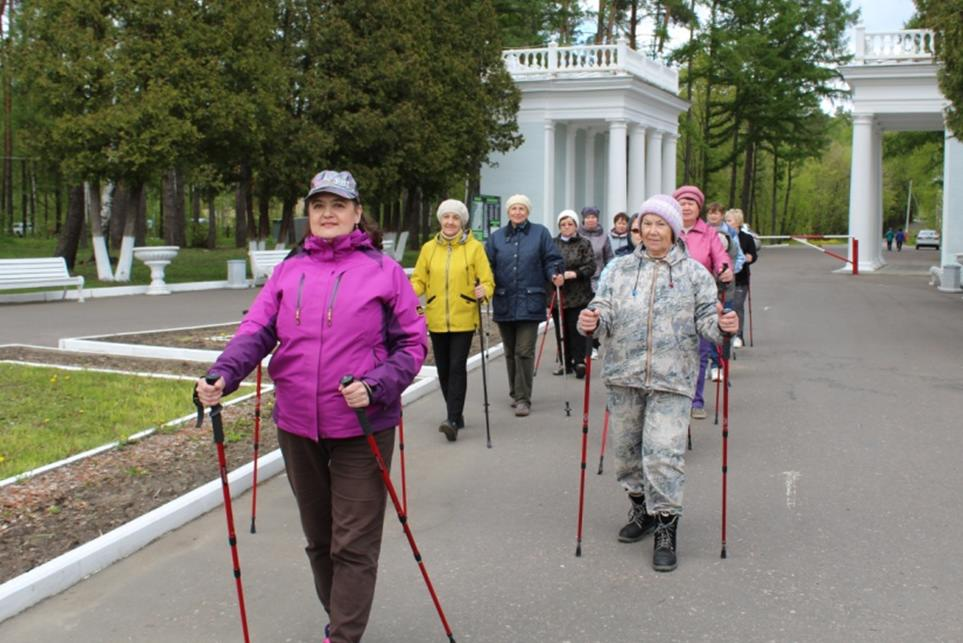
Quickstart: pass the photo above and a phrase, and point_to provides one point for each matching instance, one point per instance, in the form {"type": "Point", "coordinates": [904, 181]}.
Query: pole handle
{"type": "Point", "coordinates": [362, 416]}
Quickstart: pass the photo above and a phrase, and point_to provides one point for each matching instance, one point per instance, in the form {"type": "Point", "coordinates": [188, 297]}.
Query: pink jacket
{"type": "Point", "coordinates": [704, 246]}
{"type": "Point", "coordinates": [333, 308]}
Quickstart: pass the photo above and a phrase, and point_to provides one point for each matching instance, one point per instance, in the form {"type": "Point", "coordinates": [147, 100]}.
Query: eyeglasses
{"type": "Point", "coordinates": [636, 231]}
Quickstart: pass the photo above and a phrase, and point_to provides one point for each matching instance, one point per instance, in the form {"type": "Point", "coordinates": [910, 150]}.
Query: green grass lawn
{"type": "Point", "coordinates": [190, 264]}
{"type": "Point", "coordinates": [47, 414]}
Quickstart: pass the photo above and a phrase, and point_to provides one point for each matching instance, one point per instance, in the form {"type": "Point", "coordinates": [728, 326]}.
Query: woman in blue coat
{"type": "Point", "coordinates": [523, 258]}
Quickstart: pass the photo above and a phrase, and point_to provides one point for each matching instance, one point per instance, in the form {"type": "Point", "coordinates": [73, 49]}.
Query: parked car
{"type": "Point", "coordinates": [928, 239]}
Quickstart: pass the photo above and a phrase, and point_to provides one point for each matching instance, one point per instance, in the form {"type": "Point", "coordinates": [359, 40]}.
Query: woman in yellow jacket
{"type": "Point", "coordinates": [453, 274]}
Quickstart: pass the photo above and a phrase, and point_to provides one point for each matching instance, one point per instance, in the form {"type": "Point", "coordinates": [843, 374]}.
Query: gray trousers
{"type": "Point", "coordinates": [649, 430]}
{"type": "Point", "coordinates": [518, 339]}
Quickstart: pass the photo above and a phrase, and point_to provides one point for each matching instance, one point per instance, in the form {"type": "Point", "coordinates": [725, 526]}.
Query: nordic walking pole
{"type": "Point", "coordinates": [541, 346]}
{"type": "Point", "coordinates": [725, 438]}
{"type": "Point", "coordinates": [218, 424]}
{"type": "Point", "coordinates": [561, 330]}
{"type": "Point", "coordinates": [585, 426]}
{"type": "Point", "coordinates": [401, 455]}
{"type": "Point", "coordinates": [605, 435]}
{"type": "Point", "coordinates": [257, 446]}
{"type": "Point", "coordinates": [481, 337]}
{"type": "Point", "coordinates": [690, 436]}
{"type": "Point", "coordinates": [402, 516]}
{"type": "Point", "coordinates": [719, 350]}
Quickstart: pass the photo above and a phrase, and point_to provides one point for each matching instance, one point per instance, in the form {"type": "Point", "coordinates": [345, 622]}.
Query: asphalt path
{"type": "Point", "coordinates": [844, 494]}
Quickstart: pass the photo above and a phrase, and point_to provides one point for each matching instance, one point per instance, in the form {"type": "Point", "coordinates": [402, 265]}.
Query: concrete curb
{"type": "Point", "coordinates": [62, 572]}
{"type": "Point", "coordinates": [110, 291]}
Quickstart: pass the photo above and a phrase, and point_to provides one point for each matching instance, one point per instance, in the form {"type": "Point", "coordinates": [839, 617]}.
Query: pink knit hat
{"type": "Point", "coordinates": [690, 192]}
{"type": "Point", "coordinates": [664, 206]}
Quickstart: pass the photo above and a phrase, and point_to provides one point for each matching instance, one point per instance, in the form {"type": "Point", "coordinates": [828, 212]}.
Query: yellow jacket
{"type": "Point", "coordinates": [445, 273]}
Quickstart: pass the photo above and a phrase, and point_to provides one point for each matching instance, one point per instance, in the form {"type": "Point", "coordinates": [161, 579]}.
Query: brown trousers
{"type": "Point", "coordinates": [341, 500]}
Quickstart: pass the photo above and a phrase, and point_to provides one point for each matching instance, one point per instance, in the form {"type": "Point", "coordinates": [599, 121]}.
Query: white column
{"type": "Point", "coordinates": [548, 183]}
{"type": "Point", "coordinates": [636, 168]}
{"type": "Point", "coordinates": [951, 237]}
{"type": "Point", "coordinates": [570, 131]}
{"type": "Point", "coordinates": [589, 169]}
{"type": "Point", "coordinates": [876, 243]}
{"type": "Point", "coordinates": [653, 163]}
{"type": "Point", "coordinates": [668, 163]}
{"type": "Point", "coordinates": [618, 131]}
{"type": "Point", "coordinates": [863, 191]}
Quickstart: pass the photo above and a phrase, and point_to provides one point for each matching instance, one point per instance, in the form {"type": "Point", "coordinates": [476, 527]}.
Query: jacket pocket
{"type": "Point", "coordinates": [501, 303]}
{"type": "Point", "coordinates": [535, 300]}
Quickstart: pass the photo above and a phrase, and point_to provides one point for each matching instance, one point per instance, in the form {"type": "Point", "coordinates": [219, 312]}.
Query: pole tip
{"type": "Point", "coordinates": [489, 444]}
{"type": "Point", "coordinates": [253, 530]}
{"type": "Point", "coordinates": [578, 550]}
{"type": "Point", "coordinates": [723, 554]}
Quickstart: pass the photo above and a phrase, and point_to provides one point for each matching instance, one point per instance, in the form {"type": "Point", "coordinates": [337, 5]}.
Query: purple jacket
{"type": "Point", "coordinates": [334, 308]}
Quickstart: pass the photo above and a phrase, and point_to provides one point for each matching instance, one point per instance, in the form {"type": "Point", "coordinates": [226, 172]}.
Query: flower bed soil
{"type": "Point", "coordinates": [50, 514]}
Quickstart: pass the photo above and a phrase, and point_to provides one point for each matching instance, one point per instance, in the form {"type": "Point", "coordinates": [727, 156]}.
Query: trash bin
{"type": "Point", "coordinates": [950, 281]}
{"type": "Point", "coordinates": [236, 273]}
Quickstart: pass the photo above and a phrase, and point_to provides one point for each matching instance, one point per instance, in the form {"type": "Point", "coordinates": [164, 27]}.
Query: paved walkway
{"type": "Point", "coordinates": [844, 478]}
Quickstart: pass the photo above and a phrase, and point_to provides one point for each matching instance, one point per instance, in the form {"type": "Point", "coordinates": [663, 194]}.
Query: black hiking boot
{"type": "Point", "coordinates": [663, 558]}
{"type": "Point", "coordinates": [640, 522]}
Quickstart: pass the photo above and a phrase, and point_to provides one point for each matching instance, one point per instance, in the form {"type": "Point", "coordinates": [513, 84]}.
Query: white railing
{"type": "Point", "coordinates": [588, 61]}
{"type": "Point", "coordinates": [908, 45]}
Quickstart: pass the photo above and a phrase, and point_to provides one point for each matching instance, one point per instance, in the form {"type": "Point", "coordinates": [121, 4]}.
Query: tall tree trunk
{"type": "Point", "coordinates": [706, 117]}
{"type": "Point", "coordinates": [119, 214]}
{"type": "Point", "coordinates": [138, 207]}
{"type": "Point", "coordinates": [286, 233]}
{"type": "Point", "coordinates": [600, 24]}
{"type": "Point", "coordinates": [687, 163]}
{"type": "Point", "coordinates": [264, 216]}
{"type": "Point", "coordinates": [240, 209]}
{"type": "Point", "coordinates": [58, 202]}
{"type": "Point", "coordinates": [24, 199]}
{"type": "Point", "coordinates": [8, 126]}
{"type": "Point", "coordinates": [73, 228]}
{"type": "Point", "coordinates": [211, 221]}
{"type": "Point", "coordinates": [785, 207]}
{"type": "Point", "coordinates": [173, 209]}
{"type": "Point", "coordinates": [745, 198]}
{"type": "Point", "coordinates": [734, 170]}
{"type": "Point", "coordinates": [633, 23]}
{"type": "Point", "coordinates": [99, 204]}
{"type": "Point", "coordinates": [195, 205]}
{"type": "Point", "coordinates": [775, 186]}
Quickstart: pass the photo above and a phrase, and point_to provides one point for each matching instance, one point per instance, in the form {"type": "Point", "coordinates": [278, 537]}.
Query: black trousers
{"type": "Point", "coordinates": [451, 354]}
{"type": "Point", "coordinates": [574, 343]}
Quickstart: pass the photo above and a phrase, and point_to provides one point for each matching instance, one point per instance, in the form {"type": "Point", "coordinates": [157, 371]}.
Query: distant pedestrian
{"type": "Point", "coordinates": [900, 238]}
{"type": "Point", "coordinates": [446, 272]}
{"type": "Point", "coordinates": [735, 219]}
{"type": "Point", "coordinates": [579, 267]}
{"type": "Point", "coordinates": [650, 311]}
{"type": "Point", "coordinates": [523, 258]}
{"type": "Point", "coordinates": [601, 247]}
{"type": "Point", "coordinates": [336, 306]}
{"type": "Point", "coordinates": [890, 235]}
{"type": "Point", "coordinates": [635, 237]}
{"type": "Point", "coordinates": [704, 246]}
{"type": "Point", "coordinates": [619, 234]}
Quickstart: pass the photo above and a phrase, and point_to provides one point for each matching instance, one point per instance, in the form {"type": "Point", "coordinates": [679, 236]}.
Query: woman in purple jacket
{"type": "Point", "coordinates": [336, 306]}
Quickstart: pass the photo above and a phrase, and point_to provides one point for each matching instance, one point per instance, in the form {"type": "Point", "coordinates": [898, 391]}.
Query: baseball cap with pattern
{"type": "Point", "coordinates": [340, 183]}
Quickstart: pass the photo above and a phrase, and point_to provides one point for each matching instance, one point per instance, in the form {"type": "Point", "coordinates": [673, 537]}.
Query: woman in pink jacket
{"type": "Point", "coordinates": [336, 306]}
{"type": "Point", "coordinates": [704, 246]}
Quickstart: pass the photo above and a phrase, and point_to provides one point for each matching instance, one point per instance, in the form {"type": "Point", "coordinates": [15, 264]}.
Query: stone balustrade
{"type": "Point", "coordinates": [585, 61]}
{"type": "Point", "coordinates": [907, 45]}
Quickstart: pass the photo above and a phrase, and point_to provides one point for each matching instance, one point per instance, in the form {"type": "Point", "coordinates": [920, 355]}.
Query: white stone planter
{"type": "Point", "coordinates": [156, 258]}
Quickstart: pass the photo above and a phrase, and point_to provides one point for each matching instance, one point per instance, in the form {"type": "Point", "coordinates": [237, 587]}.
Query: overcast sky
{"type": "Point", "coordinates": [885, 15]}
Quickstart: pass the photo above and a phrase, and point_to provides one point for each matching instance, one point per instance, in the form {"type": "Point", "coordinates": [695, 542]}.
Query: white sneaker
{"type": "Point", "coordinates": [595, 353]}
{"type": "Point", "coordinates": [737, 342]}
{"type": "Point", "coordinates": [714, 374]}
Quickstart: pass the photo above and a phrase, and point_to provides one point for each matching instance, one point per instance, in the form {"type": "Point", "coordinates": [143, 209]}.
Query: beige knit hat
{"type": "Point", "coordinates": [519, 199]}
{"type": "Point", "coordinates": [455, 207]}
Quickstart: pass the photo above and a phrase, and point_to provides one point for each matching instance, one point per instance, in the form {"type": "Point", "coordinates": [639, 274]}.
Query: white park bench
{"type": "Point", "coordinates": [393, 244]}
{"type": "Point", "coordinates": [263, 262]}
{"type": "Point", "coordinates": [38, 273]}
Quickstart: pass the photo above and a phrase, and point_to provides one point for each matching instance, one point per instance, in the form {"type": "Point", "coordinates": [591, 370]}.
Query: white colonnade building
{"type": "Point", "coordinates": [601, 128]}
{"type": "Point", "coordinates": [893, 76]}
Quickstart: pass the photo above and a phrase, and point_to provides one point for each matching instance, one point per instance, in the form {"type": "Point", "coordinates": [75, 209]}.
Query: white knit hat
{"type": "Point", "coordinates": [455, 207]}
{"type": "Point", "coordinates": [519, 199]}
{"type": "Point", "coordinates": [664, 206]}
{"type": "Point", "coordinates": [569, 214]}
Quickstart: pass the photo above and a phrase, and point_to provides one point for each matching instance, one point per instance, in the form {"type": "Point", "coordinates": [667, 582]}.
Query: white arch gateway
{"type": "Point", "coordinates": [893, 78]}
{"type": "Point", "coordinates": [600, 124]}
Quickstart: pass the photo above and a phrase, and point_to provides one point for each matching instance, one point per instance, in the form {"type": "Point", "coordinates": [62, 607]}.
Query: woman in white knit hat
{"type": "Point", "coordinates": [524, 259]}
{"type": "Point", "coordinates": [453, 274]}
{"type": "Point", "coordinates": [649, 312]}
{"type": "Point", "coordinates": [579, 269]}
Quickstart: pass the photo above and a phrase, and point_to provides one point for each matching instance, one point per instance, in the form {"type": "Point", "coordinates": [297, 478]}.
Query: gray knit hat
{"type": "Point", "coordinates": [664, 206]}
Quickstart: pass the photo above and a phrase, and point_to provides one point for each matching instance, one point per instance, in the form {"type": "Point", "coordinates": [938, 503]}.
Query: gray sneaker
{"type": "Point", "coordinates": [522, 409]}
{"type": "Point", "coordinates": [699, 413]}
